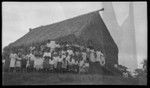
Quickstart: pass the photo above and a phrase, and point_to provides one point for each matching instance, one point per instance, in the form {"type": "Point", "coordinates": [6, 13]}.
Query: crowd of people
{"type": "Point", "coordinates": [53, 57]}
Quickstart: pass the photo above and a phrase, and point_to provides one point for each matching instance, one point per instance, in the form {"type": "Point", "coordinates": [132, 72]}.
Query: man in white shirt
{"type": "Point", "coordinates": [12, 57]}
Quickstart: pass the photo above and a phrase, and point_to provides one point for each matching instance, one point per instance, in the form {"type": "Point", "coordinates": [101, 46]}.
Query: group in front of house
{"type": "Point", "coordinates": [53, 57]}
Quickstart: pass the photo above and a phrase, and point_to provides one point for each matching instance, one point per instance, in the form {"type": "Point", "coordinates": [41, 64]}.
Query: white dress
{"type": "Point", "coordinates": [38, 64]}
{"type": "Point", "coordinates": [13, 60]}
{"type": "Point", "coordinates": [92, 56]}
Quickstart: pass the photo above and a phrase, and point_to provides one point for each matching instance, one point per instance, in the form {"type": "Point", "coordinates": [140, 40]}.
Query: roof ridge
{"type": "Point", "coordinates": [78, 16]}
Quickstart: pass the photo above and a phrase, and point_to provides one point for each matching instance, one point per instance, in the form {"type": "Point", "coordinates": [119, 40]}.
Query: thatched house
{"type": "Point", "coordinates": [87, 29]}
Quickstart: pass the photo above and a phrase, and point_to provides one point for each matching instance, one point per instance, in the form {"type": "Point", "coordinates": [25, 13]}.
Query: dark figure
{"type": "Point", "coordinates": [23, 63]}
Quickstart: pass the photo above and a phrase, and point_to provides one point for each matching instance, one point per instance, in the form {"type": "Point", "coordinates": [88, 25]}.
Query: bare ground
{"type": "Point", "coordinates": [64, 79]}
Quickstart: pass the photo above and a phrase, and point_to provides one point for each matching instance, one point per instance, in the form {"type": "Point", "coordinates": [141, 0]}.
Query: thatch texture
{"type": "Point", "coordinates": [87, 29]}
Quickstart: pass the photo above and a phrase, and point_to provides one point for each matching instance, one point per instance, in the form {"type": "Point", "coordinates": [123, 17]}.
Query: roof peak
{"type": "Point", "coordinates": [95, 11]}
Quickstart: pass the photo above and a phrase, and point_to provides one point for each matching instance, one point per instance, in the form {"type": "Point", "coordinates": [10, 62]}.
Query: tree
{"type": "Point", "coordinates": [144, 65]}
{"type": "Point", "coordinates": [141, 73]}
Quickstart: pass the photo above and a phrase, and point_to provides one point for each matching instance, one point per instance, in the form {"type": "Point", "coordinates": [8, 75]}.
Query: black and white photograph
{"type": "Point", "coordinates": [74, 43]}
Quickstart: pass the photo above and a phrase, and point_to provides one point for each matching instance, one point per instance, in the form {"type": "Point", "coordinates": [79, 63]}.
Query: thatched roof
{"type": "Point", "coordinates": [87, 27]}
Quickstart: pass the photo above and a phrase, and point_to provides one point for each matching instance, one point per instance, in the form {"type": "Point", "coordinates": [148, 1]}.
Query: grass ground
{"type": "Point", "coordinates": [64, 79]}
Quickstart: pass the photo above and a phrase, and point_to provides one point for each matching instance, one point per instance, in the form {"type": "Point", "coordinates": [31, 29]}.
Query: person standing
{"type": "Point", "coordinates": [51, 45]}
{"type": "Point", "coordinates": [47, 56]}
{"type": "Point", "coordinates": [55, 57]}
{"type": "Point", "coordinates": [18, 63]}
{"type": "Point", "coordinates": [59, 65]}
{"type": "Point", "coordinates": [92, 61]}
{"type": "Point", "coordinates": [86, 66]}
{"type": "Point", "coordinates": [100, 58]}
{"type": "Point", "coordinates": [64, 65]}
{"type": "Point", "coordinates": [84, 55]}
{"type": "Point", "coordinates": [3, 61]}
{"type": "Point", "coordinates": [12, 57]}
{"type": "Point", "coordinates": [68, 62]}
{"type": "Point", "coordinates": [51, 64]}
{"type": "Point", "coordinates": [38, 63]}
{"type": "Point", "coordinates": [31, 62]}
{"type": "Point", "coordinates": [23, 63]}
{"type": "Point", "coordinates": [72, 65]}
{"type": "Point", "coordinates": [28, 64]}
{"type": "Point", "coordinates": [81, 63]}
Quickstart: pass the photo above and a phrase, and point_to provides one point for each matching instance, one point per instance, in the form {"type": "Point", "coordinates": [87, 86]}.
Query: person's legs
{"type": "Point", "coordinates": [22, 68]}
{"type": "Point", "coordinates": [27, 69]}
{"type": "Point", "coordinates": [11, 69]}
{"type": "Point", "coordinates": [16, 69]}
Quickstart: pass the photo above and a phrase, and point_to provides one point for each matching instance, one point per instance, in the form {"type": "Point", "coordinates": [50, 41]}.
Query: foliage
{"type": "Point", "coordinates": [141, 73]}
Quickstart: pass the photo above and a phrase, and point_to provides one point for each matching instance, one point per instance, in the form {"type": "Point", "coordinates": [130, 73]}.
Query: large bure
{"type": "Point", "coordinates": [88, 28]}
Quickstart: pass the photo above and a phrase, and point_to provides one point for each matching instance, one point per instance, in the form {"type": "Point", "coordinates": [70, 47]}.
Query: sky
{"type": "Point", "coordinates": [18, 17]}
